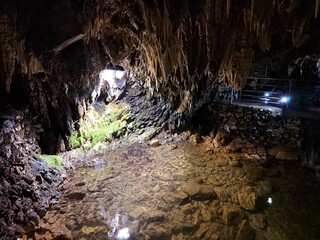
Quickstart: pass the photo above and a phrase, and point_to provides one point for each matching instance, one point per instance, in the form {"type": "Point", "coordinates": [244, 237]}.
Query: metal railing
{"type": "Point", "coordinates": [265, 91]}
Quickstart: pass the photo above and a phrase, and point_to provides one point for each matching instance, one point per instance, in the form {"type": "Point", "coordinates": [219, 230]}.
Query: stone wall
{"type": "Point", "coordinates": [255, 132]}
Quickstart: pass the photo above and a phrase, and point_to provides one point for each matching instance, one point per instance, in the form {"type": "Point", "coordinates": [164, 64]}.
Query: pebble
{"type": "Point", "coordinates": [154, 143]}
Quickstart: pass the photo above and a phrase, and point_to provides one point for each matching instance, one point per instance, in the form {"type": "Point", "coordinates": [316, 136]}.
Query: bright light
{"type": "Point", "coordinates": [108, 74]}
{"type": "Point", "coordinates": [119, 74]}
{"type": "Point", "coordinates": [267, 94]}
{"type": "Point", "coordinates": [269, 200]}
{"type": "Point", "coordinates": [285, 99]}
{"type": "Point", "coordinates": [123, 234]}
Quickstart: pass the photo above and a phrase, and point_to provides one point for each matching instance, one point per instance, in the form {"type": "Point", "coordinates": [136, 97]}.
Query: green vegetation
{"type": "Point", "coordinates": [52, 160]}
{"type": "Point", "coordinates": [100, 126]}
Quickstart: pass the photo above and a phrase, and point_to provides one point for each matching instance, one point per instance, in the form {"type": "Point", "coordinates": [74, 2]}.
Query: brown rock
{"type": "Point", "coordinates": [235, 145]}
{"type": "Point", "coordinates": [221, 138]}
{"type": "Point", "coordinates": [195, 138]}
{"type": "Point", "coordinates": [287, 152]}
{"type": "Point", "coordinates": [245, 232]}
{"type": "Point", "coordinates": [175, 198]}
{"type": "Point", "coordinates": [286, 155]}
{"type": "Point", "coordinates": [46, 236]}
{"type": "Point", "coordinates": [222, 160]}
{"type": "Point", "coordinates": [153, 216]}
{"type": "Point", "coordinates": [76, 195]}
{"type": "Point", "coordinates": [191, 188]}
{"type": "Point", "coordinates": [232, 215]}
{"type": "Point", "coordinates": [93, 188]}
{"type": "Point", "coordinates": [206, 192]}
{"type": "Point", "coordinates": [60, 231]}
{"type": "Point", "coordinates": [198, 191]}
{"type": "Point", "coordinates": [248, 147]}
{"type": "Point", "coordinates": [221, 194]}
{"type": "Point", "coordinates": [154, 143]}
{"type": "Point", "coordinates": [257, 221]}
{"type": "Point", "coordinates": [247, 198]}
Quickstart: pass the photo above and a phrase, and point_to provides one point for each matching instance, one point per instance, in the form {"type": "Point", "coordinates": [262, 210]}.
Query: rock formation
{"type": "Point", "coordinates": [175, 55]}
{"type": "Point", "coordinates": [52, 51]}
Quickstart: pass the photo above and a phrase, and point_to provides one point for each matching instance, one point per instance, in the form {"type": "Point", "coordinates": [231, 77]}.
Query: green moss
{"type": "Point", "coordinates": [100, 127]}
{"type": "Point", "coordinates": [52, 160]}
{"type": "Point", "coordinates": [137, 124]}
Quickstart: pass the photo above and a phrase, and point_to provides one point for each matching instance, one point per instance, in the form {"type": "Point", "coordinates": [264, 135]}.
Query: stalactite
{"type": "Point", "coordinates": [179, 43]}
{"type": "Point", "coordinates": [316, 8]}
{"type": "Point", "coordinates": [7, 50]}
{"type": "Point", "coordinates": [228, 7]}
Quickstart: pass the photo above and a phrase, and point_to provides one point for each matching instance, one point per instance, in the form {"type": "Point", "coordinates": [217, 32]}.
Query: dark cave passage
{"type": "Point", "coordinates": [157, 119]}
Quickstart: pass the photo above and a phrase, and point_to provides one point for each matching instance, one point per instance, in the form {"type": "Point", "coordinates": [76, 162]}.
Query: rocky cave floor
{"type": "Point", "coordinates": [179, 187]}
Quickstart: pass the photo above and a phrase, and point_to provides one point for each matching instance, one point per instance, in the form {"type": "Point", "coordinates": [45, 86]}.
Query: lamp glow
{"type": "Point", "coordinates": [123, 234]}
{"type": "Point", "coordinates": [285, 99]}
{"type": "Point", "coordinates": [267, 94]}
{"type": "Point", "coordinates": [269, 200]}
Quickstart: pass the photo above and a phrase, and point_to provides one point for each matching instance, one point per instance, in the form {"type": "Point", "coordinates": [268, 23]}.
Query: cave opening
{"type": "Point", "coordinates": [158, 119]}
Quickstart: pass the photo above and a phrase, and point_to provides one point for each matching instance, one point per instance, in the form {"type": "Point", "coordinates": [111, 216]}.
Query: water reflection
{"type": "Point", "coordinates": [184, 192]}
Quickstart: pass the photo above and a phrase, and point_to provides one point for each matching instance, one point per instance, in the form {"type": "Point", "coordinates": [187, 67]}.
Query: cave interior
{"type": "Point", "coordinates": [159, 119]}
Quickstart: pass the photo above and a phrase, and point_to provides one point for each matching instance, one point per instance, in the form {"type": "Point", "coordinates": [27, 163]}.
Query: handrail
{"type": "Point", "coordinates": [256, 91]}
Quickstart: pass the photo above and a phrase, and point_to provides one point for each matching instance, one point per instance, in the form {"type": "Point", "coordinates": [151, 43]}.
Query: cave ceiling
{"type": "Point", "coordinates": [53, 50]}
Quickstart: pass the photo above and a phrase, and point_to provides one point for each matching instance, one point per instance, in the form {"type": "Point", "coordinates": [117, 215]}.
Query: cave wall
{"type": "Point", "coordinates": [52, 51]}
{"type": "Point", "coordinates": [55, 83]}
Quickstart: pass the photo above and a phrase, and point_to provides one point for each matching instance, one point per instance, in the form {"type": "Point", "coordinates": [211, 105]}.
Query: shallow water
{"type": "Point", "coordinates": [182, 191]}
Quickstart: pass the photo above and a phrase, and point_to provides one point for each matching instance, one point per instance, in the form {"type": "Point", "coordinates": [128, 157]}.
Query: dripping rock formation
{"type": "Point", "coordinates": [51, 52]}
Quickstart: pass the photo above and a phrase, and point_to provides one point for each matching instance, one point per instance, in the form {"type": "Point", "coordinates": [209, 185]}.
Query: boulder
{"type": "Point", "coordinates": [222, 138]}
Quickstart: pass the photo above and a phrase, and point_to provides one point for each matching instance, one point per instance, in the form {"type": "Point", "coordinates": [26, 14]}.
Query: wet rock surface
{"type": "Point", "coordinates": [27, 184]}
{"type": "Point", "coordinates": [167, 192]}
